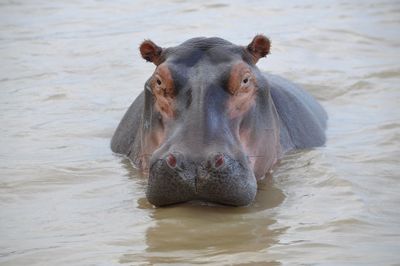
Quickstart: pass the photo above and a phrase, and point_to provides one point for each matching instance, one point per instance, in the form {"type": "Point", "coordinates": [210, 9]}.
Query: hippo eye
{"type": "Point", "coordinates": [246, 80]}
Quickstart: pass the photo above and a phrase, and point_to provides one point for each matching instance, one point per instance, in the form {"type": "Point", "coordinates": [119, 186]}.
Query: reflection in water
{"type": "Point", "coordinates": [211, 233]}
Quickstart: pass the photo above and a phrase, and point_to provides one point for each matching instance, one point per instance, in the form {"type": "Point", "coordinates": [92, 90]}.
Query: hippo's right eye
{"type": "Point", "coordinates": [157, 80]}
{"type": "Point", "coordinates": [163, 90]}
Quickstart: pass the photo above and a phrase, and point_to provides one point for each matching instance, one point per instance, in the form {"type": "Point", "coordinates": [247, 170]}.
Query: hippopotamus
{"type": "Point", "coordinates": [209, 124]}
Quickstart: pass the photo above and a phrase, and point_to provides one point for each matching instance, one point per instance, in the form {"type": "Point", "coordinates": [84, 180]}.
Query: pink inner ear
{"type": "Point", "coordinates": [262, 45]}
{"type": "Point", "coordinates": [150, 51]}
{"type": "Point", "coordinates": [259, 47]}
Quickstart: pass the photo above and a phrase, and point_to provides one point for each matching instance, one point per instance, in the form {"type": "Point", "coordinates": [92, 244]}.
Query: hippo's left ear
{"type": "Point", "coordinates": [151, 52]}
{"type": "Point", "coordinates": [259, 47]}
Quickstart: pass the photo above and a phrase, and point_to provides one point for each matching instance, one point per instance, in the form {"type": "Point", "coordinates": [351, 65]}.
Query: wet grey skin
{"type": "Point", "coordinates": [200, 153]}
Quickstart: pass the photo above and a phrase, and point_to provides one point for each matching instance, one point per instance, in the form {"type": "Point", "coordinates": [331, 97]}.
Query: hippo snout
{"type": "Point", "coordinates": [219, 178]}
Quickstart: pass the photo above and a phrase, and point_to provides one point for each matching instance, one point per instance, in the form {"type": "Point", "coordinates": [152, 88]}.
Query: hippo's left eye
{"type": "Point", "coordinates": [242, 86]}
{"type": "Point", "coordinates": [241, 80]}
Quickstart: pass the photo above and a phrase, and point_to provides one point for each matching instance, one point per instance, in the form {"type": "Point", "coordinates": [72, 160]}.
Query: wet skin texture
{"type": "Point", "coordinates": [209, 124]}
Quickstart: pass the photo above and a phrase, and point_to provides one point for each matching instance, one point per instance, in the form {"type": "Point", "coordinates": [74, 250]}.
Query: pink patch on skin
{"type": "Point", "coordinates": [152, 141]}
{"type": "Point", "coordinates": [240, 103]}
{"type": "Point", "coordinates": [260, 156]}
{"type": "Point", "coordinates": [164, 106]}
{"type": "Point", "coordinates": [164, 91]}
{"type": "Point", "coordinates": [242, 86]}
{"type": "Point", "coordinates": [244, 136]}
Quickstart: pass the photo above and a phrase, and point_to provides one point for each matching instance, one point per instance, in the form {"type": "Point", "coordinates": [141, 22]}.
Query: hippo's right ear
{"type": "Point", "coordinates": [151, 52]}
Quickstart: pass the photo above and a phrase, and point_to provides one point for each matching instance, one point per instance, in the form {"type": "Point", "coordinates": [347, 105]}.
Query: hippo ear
{"type": "Point", "coordinates": [259, 47]}
{"type": "Point", "coordinates": [151, 52]}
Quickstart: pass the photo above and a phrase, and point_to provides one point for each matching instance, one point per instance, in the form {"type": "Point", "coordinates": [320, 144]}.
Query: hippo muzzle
{"type": "Point", "coordinates": [219, 179]}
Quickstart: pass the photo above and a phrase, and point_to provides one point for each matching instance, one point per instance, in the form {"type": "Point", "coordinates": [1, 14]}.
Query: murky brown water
{"type": "Point", "coordinates": [70, 69]}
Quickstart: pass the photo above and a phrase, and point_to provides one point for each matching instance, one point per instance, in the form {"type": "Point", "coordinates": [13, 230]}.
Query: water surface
{"type": "Point", "coordinates": [70, 69]}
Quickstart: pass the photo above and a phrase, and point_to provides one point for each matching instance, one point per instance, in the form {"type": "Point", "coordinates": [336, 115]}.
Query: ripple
{"type": "Point", "coordinates": [56, 97]}
{"type": "Point", "coordinates": [70, 70]}
{"type": "Point", "coordinates": [385, 74]}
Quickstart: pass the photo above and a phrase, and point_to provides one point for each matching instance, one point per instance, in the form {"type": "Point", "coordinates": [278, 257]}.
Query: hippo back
{"type": "Point", "coordinates": [303, 119]}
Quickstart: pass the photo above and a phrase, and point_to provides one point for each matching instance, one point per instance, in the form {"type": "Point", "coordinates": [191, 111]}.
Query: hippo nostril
{"type": "Point", "coordinates": [171, 160]}
{"type": "Point", "coordinates": [219, 160]}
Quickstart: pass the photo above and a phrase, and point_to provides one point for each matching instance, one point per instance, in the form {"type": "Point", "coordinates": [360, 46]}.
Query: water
{"type": "Point", "coordinates": [68, 72]}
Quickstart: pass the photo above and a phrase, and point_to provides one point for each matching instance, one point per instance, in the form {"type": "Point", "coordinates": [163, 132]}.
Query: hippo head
{"type": "Point", "coordinates": [209, 127]}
